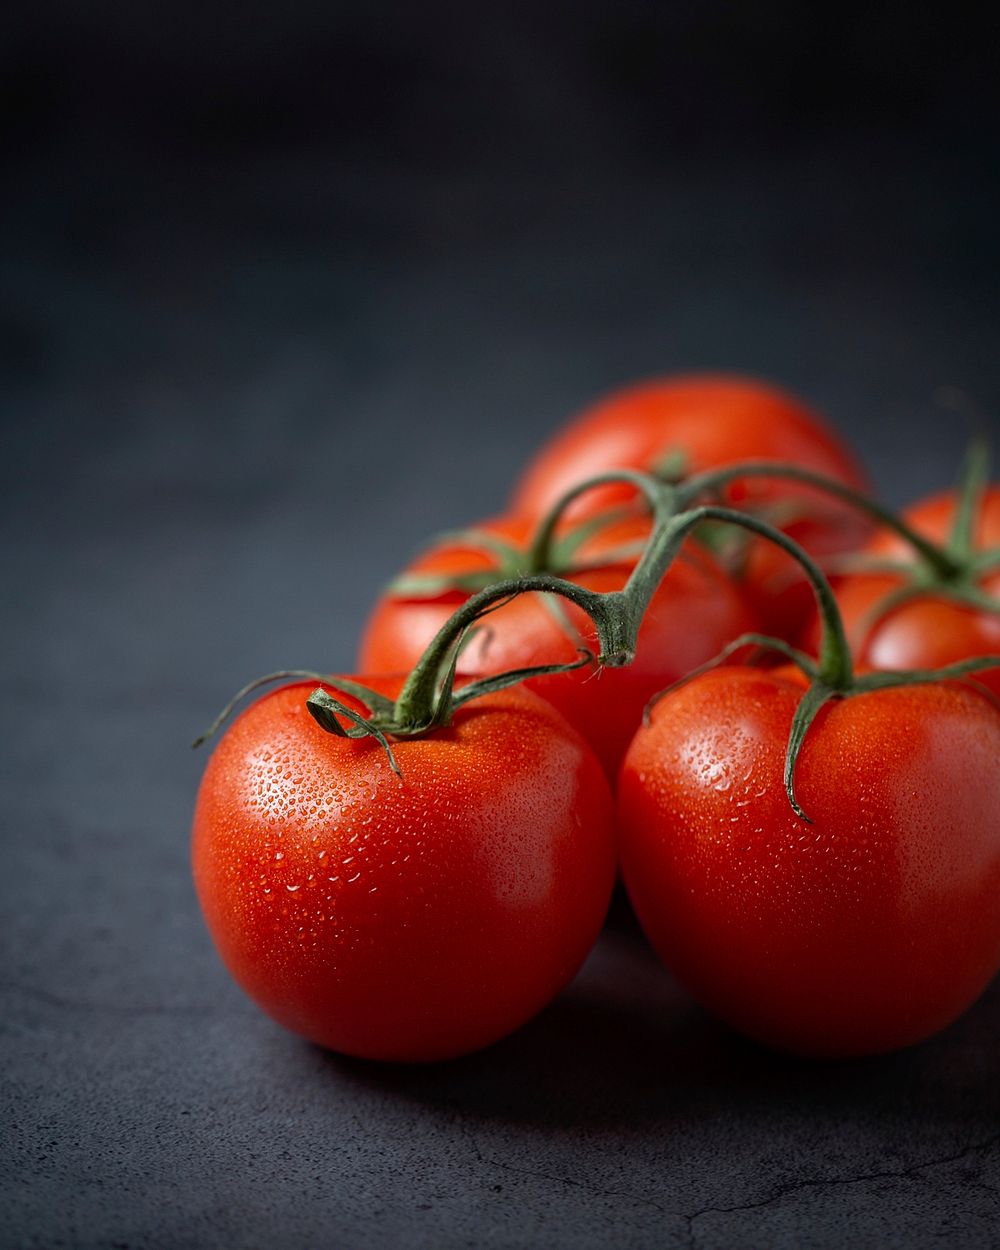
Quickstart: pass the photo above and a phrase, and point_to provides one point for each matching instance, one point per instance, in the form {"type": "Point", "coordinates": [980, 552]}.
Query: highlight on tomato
{"type": "Point", "coordinates": [408, 900]}
{"type": "Point", "coordinates": [694, 611]}
{"type": "Point", "coordinates": [691, 423]}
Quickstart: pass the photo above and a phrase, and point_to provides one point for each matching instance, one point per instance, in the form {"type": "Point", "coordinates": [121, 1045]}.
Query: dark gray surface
{"type": "Point", "coordinates": [238, 388]}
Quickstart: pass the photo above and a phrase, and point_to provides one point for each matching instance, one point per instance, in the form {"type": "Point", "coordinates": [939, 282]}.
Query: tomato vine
{"type": "Point", "coordinates": [429, 696]}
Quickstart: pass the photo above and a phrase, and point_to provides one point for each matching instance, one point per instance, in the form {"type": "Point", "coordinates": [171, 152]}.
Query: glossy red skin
{"type": "Point", "coordinates": [403, 919]}
{"type": "Point", "coordinates": [928, 632]}
{"type": "Point", "coordinates": [695, 612]}
{"type": "Point", "coordinates": [714, 420]}
{"type": "Point", "coordinates": [867, 930]}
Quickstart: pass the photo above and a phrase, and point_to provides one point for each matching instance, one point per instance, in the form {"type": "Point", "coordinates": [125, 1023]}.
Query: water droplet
{"type": "Point", "coordinates": [291, 888]}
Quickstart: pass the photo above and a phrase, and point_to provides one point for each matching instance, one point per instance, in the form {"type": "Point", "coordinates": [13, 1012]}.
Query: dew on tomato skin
{"type": "Point", "coordinates": [292, 888]}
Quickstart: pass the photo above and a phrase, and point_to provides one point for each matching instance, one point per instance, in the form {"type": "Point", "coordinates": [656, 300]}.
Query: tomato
{"type": "Point", "coordinates": [928, 631]}
{"type": "Point", "coordinates": [866, 930]}
{"type": "Point", "coordinates": [403, 918]}
{"type": "Point", "coordinates": [711, 421]}
{"type": "Point", "coordinates": [695, 611]}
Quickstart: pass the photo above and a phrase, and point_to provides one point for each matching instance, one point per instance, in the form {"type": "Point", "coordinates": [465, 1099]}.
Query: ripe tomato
{"type": "Point", "coordinates": [712, 421]}
{"type": "Point", "coordinates": [931, 630]}
{"type": "Point", "coordinates": [403, 918]}
{"type": "Point", "coordinates": [695, 611]}
{"type": "Point", "coordinates": [866, 930]}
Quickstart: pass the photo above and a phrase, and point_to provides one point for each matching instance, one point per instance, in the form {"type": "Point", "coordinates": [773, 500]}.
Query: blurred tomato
{"type": "Point", "coordinates": [930, 629]}
{"type": "Point", "coordinates": [707, 421]}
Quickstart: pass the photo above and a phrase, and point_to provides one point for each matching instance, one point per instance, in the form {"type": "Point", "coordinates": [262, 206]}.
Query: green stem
{"type": "Point", "coordinates": [417, 701]}
{"type": "Point", "coordinates": [659, 495]}
{"type": "Point", "coordinates": [835, 667]}
{"type": "Point", "coordinates": [939, 559]}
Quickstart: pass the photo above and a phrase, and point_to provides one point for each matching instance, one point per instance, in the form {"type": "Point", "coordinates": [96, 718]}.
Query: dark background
{"type": "Point", "coordinates": [287, 286]}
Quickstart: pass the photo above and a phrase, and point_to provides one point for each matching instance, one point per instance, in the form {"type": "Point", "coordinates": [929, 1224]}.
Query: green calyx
{"type": "Point", "coordinates": [430, 697]}
{"type": "Point", "coordinates": [820, 691]}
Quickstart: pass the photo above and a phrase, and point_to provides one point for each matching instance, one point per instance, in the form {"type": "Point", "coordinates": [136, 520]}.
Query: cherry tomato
{"type": "Point", "coordinates": [928, 631]}
{"type": "Point", "coordinates": [711, 421]}
{"type": "Point", "coordinates": [403, 918]}
{"type": "Point", "coordinates": [696, 610]}
{"type": "Point", "coordinates": [866, 930]}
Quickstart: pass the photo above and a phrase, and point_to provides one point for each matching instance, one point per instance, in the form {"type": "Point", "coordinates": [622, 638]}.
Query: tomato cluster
{"type": "Point", "coordinates": [409, 864]}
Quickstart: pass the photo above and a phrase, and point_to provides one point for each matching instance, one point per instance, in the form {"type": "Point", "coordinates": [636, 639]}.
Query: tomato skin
{"type": "Point", "coordinates": [867, 930]}
{"type": "Point", "coordinates": [412, 918]}
{"type": "Point", "coordinates": [929, 631]}
{"type": "Point", "coordinates": [695, 612]}
{"type": "Point", "coordinates": [713, 420]}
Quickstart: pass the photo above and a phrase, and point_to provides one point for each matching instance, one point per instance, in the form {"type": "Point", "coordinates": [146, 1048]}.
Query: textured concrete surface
{"type": "Point", "coordinates": [220, 439]}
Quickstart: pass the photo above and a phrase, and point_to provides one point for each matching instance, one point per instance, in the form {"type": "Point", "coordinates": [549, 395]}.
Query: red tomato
{"type": "Point", "coordinates": [410, 918]}
{"type": "Point", "coordinates": [868, 929]}
{"type": "Point", "coordinates": [929, 631]}
{"type": "Point", "coordinates": [694, 613]}
{"type": "Point", "coordinates": [712, 421]}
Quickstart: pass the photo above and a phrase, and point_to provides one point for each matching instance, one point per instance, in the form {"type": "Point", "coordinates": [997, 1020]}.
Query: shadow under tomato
{"type": "Point", "coordinates": [625, 1046]}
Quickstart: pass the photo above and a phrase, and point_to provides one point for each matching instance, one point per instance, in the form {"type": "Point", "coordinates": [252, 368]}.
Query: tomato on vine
{"type": "Point", "coordinates": [867, 929]}
{"type": "Point", "coordinates": [816, 853]}
{"type": "Point", "coordinates": [411, 915]}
